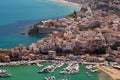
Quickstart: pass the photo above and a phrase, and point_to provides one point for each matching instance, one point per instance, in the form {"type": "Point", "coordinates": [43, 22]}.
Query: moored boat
{"type": "Point", "coordinates": [53, 78]}
{"type": "Point", "coordinates": [3, 73]}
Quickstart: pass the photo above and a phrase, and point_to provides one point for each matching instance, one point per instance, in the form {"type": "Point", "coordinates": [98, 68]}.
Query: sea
{"type": "Point", "coordinates": [17, 15]}
{"type": "Point", "coordinates": [25, 72]}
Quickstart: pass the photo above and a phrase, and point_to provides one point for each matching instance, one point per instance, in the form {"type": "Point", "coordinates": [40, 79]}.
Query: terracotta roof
{"type": "Point", "coordinates": [83, 41]}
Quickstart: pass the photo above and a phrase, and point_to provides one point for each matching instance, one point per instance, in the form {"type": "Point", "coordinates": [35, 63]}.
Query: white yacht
{"type": "Point", "coordinates": [53, 78]}
{"type": "Point", "coordinates": [3, 73]}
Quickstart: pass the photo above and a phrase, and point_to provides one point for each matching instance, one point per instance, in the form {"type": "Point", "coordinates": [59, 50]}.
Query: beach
{"type": "Point", "coordinates": [68, 3]}
{"type": "Point", "coordinates": [114, 73]}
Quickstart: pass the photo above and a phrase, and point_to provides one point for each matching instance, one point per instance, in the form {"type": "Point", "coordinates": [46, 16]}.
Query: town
{"type": "Point", "coordinates": [89, 35]}
{"type": "Point", "coordinates": [91, 31]}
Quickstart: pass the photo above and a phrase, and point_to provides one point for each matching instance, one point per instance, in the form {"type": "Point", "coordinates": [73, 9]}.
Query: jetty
{"type": "Point", "coordinates": [51, 68]}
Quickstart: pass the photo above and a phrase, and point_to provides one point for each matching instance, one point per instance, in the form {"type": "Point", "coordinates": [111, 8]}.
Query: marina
{"type": "Point", "coordinates": [83, 45]}
{"type": "Point", "coordinates": [29, 70]}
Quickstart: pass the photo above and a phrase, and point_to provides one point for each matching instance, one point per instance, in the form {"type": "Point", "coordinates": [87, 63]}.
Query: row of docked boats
{"type": "Point", "coordinates": [53, 78]}
{"type": "Point", "coordinates": [51, 68]}
{"type": "Point", "coordinates": [88, 74]}
{"type": "Point", "coordinates": [4, 73]}
{"type": "Point", "coordinates": [116, 67]}
{"type": "Point", "coordinates": [72, 68]}
{"type": "Point", "coordinates": [92, 68]}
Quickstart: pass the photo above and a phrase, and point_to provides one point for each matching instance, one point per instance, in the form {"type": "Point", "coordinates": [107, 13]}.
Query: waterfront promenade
{"type": "Point", "coordinates": [16, 63]}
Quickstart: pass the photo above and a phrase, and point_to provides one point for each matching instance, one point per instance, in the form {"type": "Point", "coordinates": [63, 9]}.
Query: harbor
{"type": "Point", "coordinates": [22, 72]}
{"type": "Point", "coordinates": [84, 45]}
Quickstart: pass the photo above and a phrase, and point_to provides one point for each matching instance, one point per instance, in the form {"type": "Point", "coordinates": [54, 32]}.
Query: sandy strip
{"type": "Point", "coordinates": [114, 73]}
{"type": "Point", "coordinates": [68, 3]}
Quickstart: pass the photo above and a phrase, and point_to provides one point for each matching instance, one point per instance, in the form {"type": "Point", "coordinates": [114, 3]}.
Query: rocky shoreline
{"type": "Point", "coordinates": [90, 19]}
{"type": "Point", "coordinates": [48, 26]}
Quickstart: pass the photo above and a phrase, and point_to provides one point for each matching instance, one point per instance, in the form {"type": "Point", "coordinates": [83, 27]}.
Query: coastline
{"type": "Point", "coordinates": [14, 36]}
{"type": "Point", "coordinates": [67, 3]}
{"type": "Point", "coordinates": [113, 73]}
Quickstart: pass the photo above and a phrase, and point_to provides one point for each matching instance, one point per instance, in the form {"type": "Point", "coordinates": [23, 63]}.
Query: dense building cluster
{"type": "Point", "coordinates": [91, 30]}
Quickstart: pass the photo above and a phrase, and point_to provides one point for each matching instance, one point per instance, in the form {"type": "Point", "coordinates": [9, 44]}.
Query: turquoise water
{"type": "Point", "coordinates": [17, 15]}
{"type": "Point", "coordinates": [30, 73]}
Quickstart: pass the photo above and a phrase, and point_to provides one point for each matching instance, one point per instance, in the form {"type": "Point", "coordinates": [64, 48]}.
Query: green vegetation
{"type": "Point", "coordinates": [73, 15]}
{"type": "Point", "coordinates": [33, 30]}
{"type": "Point", "coordinates": [116, 11]}
{"type": "Point", "coordinates": [101, 50]}
{"type": "Point", "coordinates": [58, 50]}
{"type": "Point", "coordinates": [114, 47]}
{"type": "Point", "coordinates": [107, 1]}
{"type": "Point", "coordinates": [5, 51]}
{"type": "Point", "coordinates": [91, 28]}
{"type": "Point", "coordinates": [81, 29]}
{"type": "Point", "coordinates": [85, 29]}
{"type": "Point", "coordinates": [106, 7]}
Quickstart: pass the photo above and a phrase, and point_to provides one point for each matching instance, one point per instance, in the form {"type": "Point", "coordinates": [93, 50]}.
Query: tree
{"type": "Point", "coordinates": [101, 50]}
{"type": "Point", "coordinates": [58, 51]}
